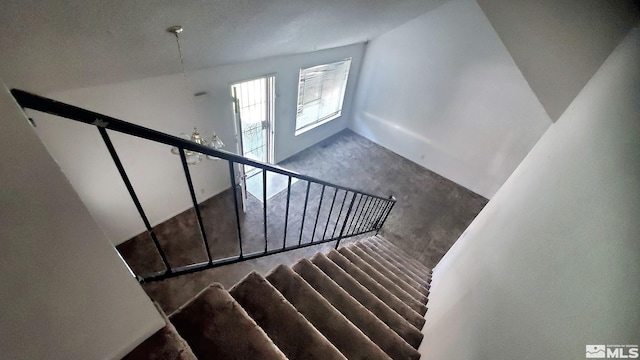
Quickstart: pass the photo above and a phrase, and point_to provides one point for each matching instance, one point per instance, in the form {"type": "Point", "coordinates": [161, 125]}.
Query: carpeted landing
{"type": "Point", "coordinates": [366, 300]}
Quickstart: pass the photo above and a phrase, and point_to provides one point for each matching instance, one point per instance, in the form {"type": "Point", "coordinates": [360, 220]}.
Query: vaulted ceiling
{"type": "Point", "coordinates": [56, 45]}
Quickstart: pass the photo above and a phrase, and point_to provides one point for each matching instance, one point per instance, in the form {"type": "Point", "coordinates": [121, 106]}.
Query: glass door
{"type": "Point", "coordinates": [254, 103]}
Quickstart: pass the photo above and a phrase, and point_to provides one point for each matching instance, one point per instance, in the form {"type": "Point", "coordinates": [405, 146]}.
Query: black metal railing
{"type": "Point", "coordinates": [351, 212]}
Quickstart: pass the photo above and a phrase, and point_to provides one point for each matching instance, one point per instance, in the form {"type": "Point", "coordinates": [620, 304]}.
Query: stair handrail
{"type": "Point", "coordinates": [53, 107]}
{"type": "Point", "coordinates": [373, 218]}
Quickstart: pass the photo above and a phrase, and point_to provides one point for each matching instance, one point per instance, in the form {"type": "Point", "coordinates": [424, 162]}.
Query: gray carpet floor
{"type": "Point", "coordinates": [430, 214]}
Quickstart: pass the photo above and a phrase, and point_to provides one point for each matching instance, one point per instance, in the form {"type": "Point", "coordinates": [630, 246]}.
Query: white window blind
{"type": "Point", "coordinates": [321, 93]}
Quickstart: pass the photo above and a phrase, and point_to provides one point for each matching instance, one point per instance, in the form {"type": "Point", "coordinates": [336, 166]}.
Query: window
{"type": "Point", "coordinates": [320, 94]}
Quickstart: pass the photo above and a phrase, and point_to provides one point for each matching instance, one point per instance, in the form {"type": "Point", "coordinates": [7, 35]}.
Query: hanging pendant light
{"type": "Point", "coordinates": [215, 142]}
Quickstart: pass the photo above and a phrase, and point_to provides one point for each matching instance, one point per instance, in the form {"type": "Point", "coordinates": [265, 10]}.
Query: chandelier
{"type": "Point", "coordinates": [194, 157]}
{"type": "Point", "coordinates": [214, 142]}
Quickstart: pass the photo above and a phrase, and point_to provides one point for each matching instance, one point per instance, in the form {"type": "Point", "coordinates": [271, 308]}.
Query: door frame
{"type": "Point", "coordinates": [270, 128]}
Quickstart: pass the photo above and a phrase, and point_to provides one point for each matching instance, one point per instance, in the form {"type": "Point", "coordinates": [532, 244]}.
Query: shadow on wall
{"type": "Point", "coordinates": [450, 98]}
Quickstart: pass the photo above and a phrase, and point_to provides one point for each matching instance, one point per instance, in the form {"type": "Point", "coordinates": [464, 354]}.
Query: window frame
{"type": "Point", "coordinates": [302, 78]}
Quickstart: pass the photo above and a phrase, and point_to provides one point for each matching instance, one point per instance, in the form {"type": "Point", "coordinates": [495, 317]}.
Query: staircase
{"type": "Point", "coordinates": [366, 300]}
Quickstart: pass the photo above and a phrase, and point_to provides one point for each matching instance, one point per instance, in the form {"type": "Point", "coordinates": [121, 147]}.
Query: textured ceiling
{"type": "Point", "coordinates": [56, 45]}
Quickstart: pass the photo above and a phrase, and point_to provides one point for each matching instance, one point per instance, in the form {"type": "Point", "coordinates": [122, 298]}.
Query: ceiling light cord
{"type": "Point", "coordinates": [176, 30]}
{"type": "Point", "coordinates": [184, 72]}
{"type": "Point", "coordinates": [215, 142]}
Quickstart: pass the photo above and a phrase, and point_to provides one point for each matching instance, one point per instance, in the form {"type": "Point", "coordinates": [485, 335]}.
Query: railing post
{"type": "Point", "coordinates": [313, 234]}
{"type": "Point", "coordinates": [363, 214]}
{"type": "Point", "coordinates": [344, 200]}
{"type": "Point", "coordinates": [286, 214]}
{"type": "Point", "coordinates": [355, 213]}
{"type": "Point", "coordinates": [304, 212]}
{"type": "Point", "coordinates": [264, 207]}
{"type": "Point", "coordinates": [192, 192]}
{"type": "Point", "coordinates": [324, 234]}
{"type": "Point", "coordinates": [345, 219]}
{"type": "Point", "coordinates": [371, 215]}
{"type": "Point", "coordinates": [378, 214]}
{"type": "Point", "coordinates": [383, 211]}
{"type": "Point", "coordinates": [232, 175]}
{"type": "Point", "coordinates": [134, 197]}
{"type": "Point", "coordinates": [393, 203]}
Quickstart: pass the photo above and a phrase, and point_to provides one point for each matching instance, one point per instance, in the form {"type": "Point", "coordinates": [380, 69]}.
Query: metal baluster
{"type": "Point", "coordinates": [329, 216]}
{"type": "Point", "coordinates": [286, 214]}
{"type": "Point", "coordinates": [134, 197]}
{"type": "Point", "coordinates": [386, 206]}
{"type": "Point", "coordinates": [313, 234]}
{"type": "Point", "coordinates": [374, 203]}
{"type": "Point", "coordinates": [304, 212]}
{"type": "Point", "coordinates": [379, 213]}
{"type": "Point", "coordinates": [192, 192]}
{"type": "Point", "coordinates": [235, 203]}
{"type": "Point", "coordinates": [393, 203]}
{"type": "Point", "coordinates": [381, 209]}
{"type": "Point", "coordinates": [344, 199]}
{"type": "Point", "coordinates": [344, 224]}
{"type": "Point", "coordinates": [354, 215]}
{"type": "Point", "coordinates": [363, 214]}
{"type": "Point", "coordinates": [264, 207]}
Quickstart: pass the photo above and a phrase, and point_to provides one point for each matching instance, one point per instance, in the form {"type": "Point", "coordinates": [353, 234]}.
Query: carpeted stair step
{"type": "Point", "coordinates": [387, 273]}
{"type": "Point", "coordinates": [345, 336]}
{"type": "Point", "coordinates": [166, 343]}
{"type": "Point", "coordinates": [375, 289]}
{"type": "Point", "coordinates": [408, 271]}
{"type": "Point", "coordinates": [364, 301]}
{"type": "Point", "coordinates": [380, 333]}
{"type": "Point", "coordinates": [395, 249]}
{"type": "Point", "coordinates": [424, 279]}
{"type": "Point", "coordinates": [216, 327]}
{"type": "Point", "coordinates": [288, 329]}
{"type": "Point", "coordinates": [409, 330]}
{"type": "Point", "coordinates": [395, 270]}
{"type": "Point", "coordinates": [403, 256]}
{"type": "Point", "coordinates": [374, 277]}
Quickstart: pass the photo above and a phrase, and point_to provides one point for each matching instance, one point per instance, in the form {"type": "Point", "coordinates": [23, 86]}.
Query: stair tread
{"type": "Point", "coordinates": [394, 279]}
{"type": "Point", "coordinates": [345, 336]}
{"type": "Point", "coordinates": [398, 270]}
{"type": "Point", "coordinates": [288, 329]}
{"type": "Point", "coordinates": [361, 302]}
{"type": "Point", "coordinates": [166, 343]}
{"type": "Point", "coordinates": [402, 254]}
{"type": "Point", "coordinates": [379, 332]}
{"type": "Point", "coordinates": [378, 283]}
{"type": "Point", "coordinates": [408, 328]}
{"type": "Point", "coordinates": [216, 326]}
{"type": "Point", "coordinates": [408, 271]}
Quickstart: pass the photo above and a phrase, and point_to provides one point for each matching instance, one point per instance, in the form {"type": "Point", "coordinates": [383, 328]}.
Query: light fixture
{"type": "Point", "coordinates": [215, 142]}
{"type": "Point", "coordinates": [194, 157]}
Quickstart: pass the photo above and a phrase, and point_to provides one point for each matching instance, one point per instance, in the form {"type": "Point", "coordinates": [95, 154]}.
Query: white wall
{"type": "Point", "coordinates": [559, 44]}
{"type": "Point", "coordinates": [161, 103]}
{"type": "Point", "coordinates": [552, 263]}
{"type": "Point", "coordinates": [64, 291]}
{"type": "Point", "coordinates": [442, 91]}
